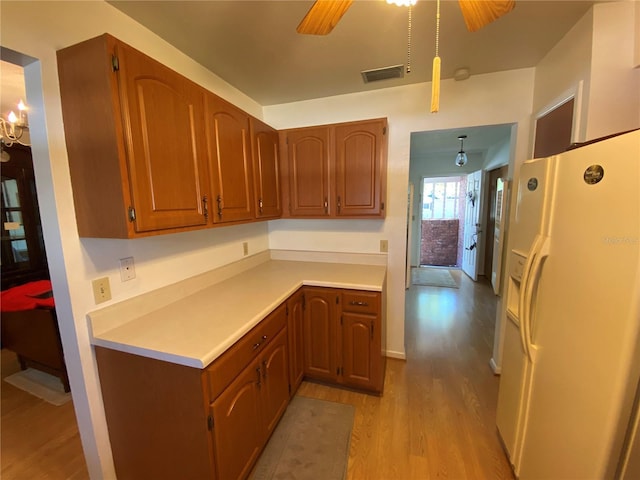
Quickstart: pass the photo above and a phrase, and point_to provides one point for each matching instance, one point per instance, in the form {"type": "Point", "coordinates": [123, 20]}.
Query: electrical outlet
{"type": "Point", "coordinates": [384, 246]}
{"type": "Point", "coordinates": [245, 248]}
{"type": "Point", "coordinates": [101, 289]}
{"type": "Point", "coordinates": [127, 269]}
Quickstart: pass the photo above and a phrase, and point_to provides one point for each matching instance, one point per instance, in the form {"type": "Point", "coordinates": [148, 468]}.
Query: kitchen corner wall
{"type": "Point", "coordinates": [498, 98]}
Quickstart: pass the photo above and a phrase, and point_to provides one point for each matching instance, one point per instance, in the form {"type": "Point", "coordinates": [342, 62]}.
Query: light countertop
{"type": "Point", "coordinates": [195, 329]}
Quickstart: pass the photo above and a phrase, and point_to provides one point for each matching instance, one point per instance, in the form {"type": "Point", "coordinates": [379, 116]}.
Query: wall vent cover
{"type": "Point", "coordinates": [384, 73]}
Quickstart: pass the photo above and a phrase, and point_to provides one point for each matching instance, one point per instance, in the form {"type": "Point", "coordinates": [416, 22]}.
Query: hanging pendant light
{"type": "Point", "coordinates": [461, 158]}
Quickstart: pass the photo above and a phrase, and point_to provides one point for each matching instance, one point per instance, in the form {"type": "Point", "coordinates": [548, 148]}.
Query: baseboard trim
{"type": "Point", "coordinates": [398, 355]}
{"type": "Point", "coordinates": [496, 369]}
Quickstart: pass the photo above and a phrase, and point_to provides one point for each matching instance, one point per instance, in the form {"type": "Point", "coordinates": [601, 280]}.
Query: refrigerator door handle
{"type": "Point", "coordinates": [522, 304]}
{"type": "Point", "coordinates": [541, 252]}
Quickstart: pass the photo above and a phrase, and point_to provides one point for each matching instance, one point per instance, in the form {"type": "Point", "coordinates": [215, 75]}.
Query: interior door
{"type": "Point", "coordinates": [409, 236]}
{"type": "Point", "coordinates": [472, 225]}
{"type": "Point", "coordinates": [499, 232]}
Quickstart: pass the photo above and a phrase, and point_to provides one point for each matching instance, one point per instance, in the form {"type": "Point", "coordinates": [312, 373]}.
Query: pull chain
{"type": "Point", "coordinates": [435, 83]}
{"type": "Point", "coordinates": [409, 43]}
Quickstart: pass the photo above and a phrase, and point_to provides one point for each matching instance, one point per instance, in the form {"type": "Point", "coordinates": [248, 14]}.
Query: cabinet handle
{"type": "Point", "coordinates": [260, 206]}
{"type": "Point", "coordinates": [258, 372]}
{"type": "Point", "coordinates": [359, 304]}
{"type": "Point", "coordinates": [264, 337]}
{"type": "Point", "coordinates": [264, 369]}
{"type": "Point", "coordinates": [205, 206]}
{"type": "Point", "coordinates": [339, 204]}
{"type": "Point", "coordinates": [219, 200]}
{"type": "Point", "coordinates": [256, 346]}
{"type": "Point", "coordinates": [371, 330]}
{"type": "Point", "coordinates": [326, 205]}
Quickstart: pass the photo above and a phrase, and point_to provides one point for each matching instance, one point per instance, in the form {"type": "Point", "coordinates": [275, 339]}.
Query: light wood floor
{"type": "Point", "coordinates": [436, 418]}
{"type": "Point", "coordinates": [38, 440]}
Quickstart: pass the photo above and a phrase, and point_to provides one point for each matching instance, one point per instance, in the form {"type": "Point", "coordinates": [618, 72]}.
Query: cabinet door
{"type": "Point", "coordinates": [360, 350]}
{"type": "Point", "coordinates": [164, 126]}
{"type": "Point", "coordinates": [308, 158]}
{"type": "Point", "coordinates": [319, 331]}
{"type": "Point", "coordinates": [266, 174]}
{"type": "Point", "coordinates": [229, 160]}
{"type": "Point", "coordinates": [274, 367]}
{"type": "Point", "coordinates": [296, 340]}
{"type": "Point", "coordinates": [360, 155]}
{"type": "Point", "coordinates": [237, 428]}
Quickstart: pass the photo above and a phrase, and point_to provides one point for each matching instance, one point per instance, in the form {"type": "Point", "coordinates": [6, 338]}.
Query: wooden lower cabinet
{"type": "Point", "coordinates": [170, 421]}
{"type": "Point", "coordinates": [319, 333]}
{"type": "Point", "coordinates": [236, 425]}
{"type": "Point", "coordinates": [343, 337]}
{"type": "Point", "coordinates": [247, 412]}
{"type": "Point", "coordinates": [295, 319]}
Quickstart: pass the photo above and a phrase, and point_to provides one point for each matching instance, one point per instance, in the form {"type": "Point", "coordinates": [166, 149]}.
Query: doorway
{"type": "Point", "coordinates": [38, 436]}
{"type": "Point", "coordinates": [441, 221]}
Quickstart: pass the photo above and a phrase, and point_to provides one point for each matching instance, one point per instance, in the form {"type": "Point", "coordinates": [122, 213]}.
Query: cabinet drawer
{"type": "Point", "coordinates": [361, 302]}
{"type": "Point", "coordinates": [229, 365]}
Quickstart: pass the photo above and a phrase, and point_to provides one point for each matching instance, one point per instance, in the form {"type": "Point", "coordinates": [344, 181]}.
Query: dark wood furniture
{"type": "Point", "coordinates": [34, 336]}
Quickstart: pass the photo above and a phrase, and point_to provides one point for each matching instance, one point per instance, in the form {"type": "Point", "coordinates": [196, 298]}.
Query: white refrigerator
{"type": "Point", "coordinates": [571, 361]}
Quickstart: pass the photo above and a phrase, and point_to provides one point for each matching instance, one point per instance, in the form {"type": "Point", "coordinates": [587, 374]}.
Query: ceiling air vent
{"type": "Point", "coordinates": [385, 73]}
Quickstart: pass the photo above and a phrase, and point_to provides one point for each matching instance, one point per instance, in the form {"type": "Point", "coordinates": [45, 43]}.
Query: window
{"type": "Point", "coordinates": [441, 198]}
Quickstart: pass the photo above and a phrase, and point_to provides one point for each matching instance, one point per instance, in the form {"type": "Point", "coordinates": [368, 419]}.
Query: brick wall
{"type": "Point", "coordinates": [439, 242]}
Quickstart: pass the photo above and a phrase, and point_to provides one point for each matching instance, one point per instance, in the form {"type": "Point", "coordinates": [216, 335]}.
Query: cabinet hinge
{"type": "Point", "coordinates": [115, 63]}
{"type": "Point", "coordinates": [286, 310]}
{"type": "Point", "coordinates": [337, 370]}
{"type": "Point", "coordinates": [287, 140]}
{"type": "Point", "coordinates": [210, 422]}
{"type": "Point", "coordinates": [384, 130]}
{"type": "Point", "coordinates": [289, 389]}
{"type": "Point", "coordinates": [337, 300]}
{"type": "Point", "coordinates": [382, 206]}
{"type": "Point", "coordinates": [304, 302]}
{"type": "Point", "coordinates": [341, 320]}
{"type": "Point", "coordinates": [132, 214]}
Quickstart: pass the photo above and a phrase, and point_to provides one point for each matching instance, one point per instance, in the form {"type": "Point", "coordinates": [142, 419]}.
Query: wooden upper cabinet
{"type": "Point", "coordinates": [360, 168]}
{"type": "Point", "coordinates": [309, 172]}
{"type": "Point", "coordinates": [337, 170]}
{"type": "Point", "coordinates": [229, 161]}
{"type": "Point", "coordinates": [266, 172]}
{"type": "Point", "coordinates": [135, 139]}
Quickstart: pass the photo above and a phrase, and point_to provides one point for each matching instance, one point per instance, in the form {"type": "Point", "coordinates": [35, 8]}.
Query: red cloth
{"type": "Point", "coordinates": [25, 297]}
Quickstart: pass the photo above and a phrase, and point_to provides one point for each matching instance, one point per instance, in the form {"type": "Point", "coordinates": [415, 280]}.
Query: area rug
{"type": "Point", "coordinates": [433, 277]}
{"type": "Point", "coordinates": [40, 384]}
{"type": "Point", "coordinates": [311, 442]}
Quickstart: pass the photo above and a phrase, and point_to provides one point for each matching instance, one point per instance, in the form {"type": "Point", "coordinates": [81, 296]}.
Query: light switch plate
{"type": "Point", "coordinates": [101, 289]}
{"type": "Point", "coordinates": [384, 246]}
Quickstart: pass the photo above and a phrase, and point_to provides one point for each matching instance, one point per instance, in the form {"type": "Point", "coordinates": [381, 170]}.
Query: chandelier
{"type": "Point", "coordinates": [13, 128]}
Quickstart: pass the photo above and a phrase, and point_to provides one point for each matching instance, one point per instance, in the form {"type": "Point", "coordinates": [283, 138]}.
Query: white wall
{"type": "Point", "coordinates": [481, 100]}
{"type": "Point", "coordinates": [38, 29]}
{"type": "Point", "coordinates": [614, 98]}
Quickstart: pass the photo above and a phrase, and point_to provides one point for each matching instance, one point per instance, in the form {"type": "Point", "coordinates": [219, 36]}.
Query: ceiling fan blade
{"type": "Point", "coordinates": [323, 16]}
{"type": "Point", "coordinates": [478, 13]}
